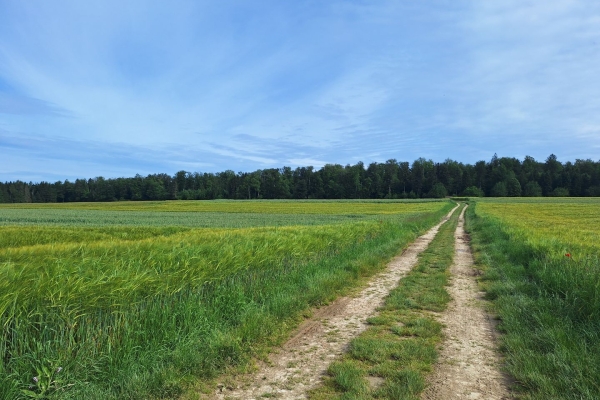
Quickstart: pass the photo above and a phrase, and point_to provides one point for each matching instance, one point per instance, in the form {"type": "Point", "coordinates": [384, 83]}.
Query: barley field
{"type": "Point", "coordinates": [145, 300]}
{"type": "Point", "coordinates": [564, 225]}
{"type": "Point", "coordinates": [542, 270]}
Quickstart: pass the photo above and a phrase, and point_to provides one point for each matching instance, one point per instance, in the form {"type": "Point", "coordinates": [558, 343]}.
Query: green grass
{"type": "Point", "coordinates": [243, 206]}
{"type": "Point", "coordinates": [107, 218]}
{"type": "Point", "coordinates": [144, 312]}
{"type": "Point", "coordinates": [399, 348]}
{"type": "Point", "coordinates": [548, 304]}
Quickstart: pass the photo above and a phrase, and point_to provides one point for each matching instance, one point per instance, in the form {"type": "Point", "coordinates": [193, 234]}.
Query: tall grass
{"type": "Point", "coordinates": [543, 275]}
{"type": "Point", "coordinates": [144, 317]}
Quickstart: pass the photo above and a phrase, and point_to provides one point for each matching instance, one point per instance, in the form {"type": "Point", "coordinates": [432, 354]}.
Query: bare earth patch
{"type": "Point", "coordinates": [468, 366]}
{"type": "Point", "coordinates": [299, 365]}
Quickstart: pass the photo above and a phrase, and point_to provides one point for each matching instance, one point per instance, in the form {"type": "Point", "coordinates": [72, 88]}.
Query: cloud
{"type": "Point", "coordinates": [138, 87]}
{"type": "Point", "coordinates": [22, 105]}
{"type": "Point", "coordinates": [53, 156]}
{"type": "Point", "coordinates": [532, 66]}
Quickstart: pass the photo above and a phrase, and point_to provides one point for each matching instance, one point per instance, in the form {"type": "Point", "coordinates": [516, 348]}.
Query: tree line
{"type": "Point", "coordinates": [422, 178]}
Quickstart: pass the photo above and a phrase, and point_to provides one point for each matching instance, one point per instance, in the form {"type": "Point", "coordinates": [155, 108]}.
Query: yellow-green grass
{"type": "Point", "coordinates": [399, 349]}
{"type": "Point", "coordinates": [208, 214]}
{"type": "Point", "coordinates": [542, 273]}
{"type": "Point", "coordinates": [107, 273]}
{"type": "Point", "coordinates": [140, 312]}
{"type": "Point", "coordinates": [103, 218]}
{"type": "Point", "coordinates": [563, 225]}
{"type": "Point", "coordinates": [246, 206]}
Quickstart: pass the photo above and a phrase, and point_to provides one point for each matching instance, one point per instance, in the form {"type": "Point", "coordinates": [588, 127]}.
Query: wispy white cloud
{"type": "Point", "coordinates": [17, 104]}
{"type": "Point", "coordinates": [532, 67]}
{"type": "Point", "coordinates": [244, 86]}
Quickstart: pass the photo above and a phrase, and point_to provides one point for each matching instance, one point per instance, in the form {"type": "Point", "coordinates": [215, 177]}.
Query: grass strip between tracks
{"type": "Point", "coordinates": [392, 357]}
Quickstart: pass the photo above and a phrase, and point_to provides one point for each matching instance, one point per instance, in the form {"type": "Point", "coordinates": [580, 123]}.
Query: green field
{"type": "Point", "coordinates": [542, 271]}
{"type": "Point", "coordinates": [141, 300]}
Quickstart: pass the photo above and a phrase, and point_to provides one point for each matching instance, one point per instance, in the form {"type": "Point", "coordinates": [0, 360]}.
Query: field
{"type": "Point", "coordinates": [140, 300]}
{"type": "Point", "coordinates": [543, 274]}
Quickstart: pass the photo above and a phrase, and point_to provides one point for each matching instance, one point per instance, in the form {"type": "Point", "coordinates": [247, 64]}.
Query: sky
{"type": "Point", "coordinates": [116, 88]}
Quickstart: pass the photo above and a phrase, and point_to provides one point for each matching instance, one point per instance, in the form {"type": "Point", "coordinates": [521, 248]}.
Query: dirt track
{"type": "Point", "coordinates": [300, 363]}
{"type": "Point", "coordinates": [468, 367]}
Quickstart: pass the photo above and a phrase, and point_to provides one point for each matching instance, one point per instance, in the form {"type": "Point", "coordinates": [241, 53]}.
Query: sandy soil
{"type": "Point", "coordinates": [468, 367]}
{"type": "Point", "coordinates": [300, 363]}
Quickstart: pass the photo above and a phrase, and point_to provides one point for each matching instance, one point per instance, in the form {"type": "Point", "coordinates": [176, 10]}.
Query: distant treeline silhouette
{"type": "Point", "coordinates": [390, 180]}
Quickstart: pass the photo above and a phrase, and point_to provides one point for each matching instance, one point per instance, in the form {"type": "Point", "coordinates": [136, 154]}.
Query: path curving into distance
{"type": "Point", "coordinates": [468, 366]}
{"type": "Point", "coordinates": [301, 362]}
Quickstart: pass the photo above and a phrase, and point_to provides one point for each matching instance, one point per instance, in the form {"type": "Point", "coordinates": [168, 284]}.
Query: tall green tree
{"type": "Point", "coordinates": [513, 187]}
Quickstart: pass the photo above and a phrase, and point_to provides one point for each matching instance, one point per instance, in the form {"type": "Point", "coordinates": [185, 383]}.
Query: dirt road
{"type": "Point", "coordinates": [298, 366]}
{"type": "Point", "coordinates": [468, 365]}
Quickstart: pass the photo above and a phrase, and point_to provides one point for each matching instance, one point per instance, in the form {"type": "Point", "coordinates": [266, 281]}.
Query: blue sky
{"type": "Point", "coordinates": [115, 88]}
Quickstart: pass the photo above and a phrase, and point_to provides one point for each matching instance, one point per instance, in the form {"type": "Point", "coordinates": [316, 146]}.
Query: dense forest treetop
{"type": "Point", "coordinates": [500, 177]}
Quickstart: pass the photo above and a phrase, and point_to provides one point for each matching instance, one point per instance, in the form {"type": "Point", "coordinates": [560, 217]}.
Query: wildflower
{"type": "Point", "coordinates": [568, 255]}
{"type": "Point", "coordinates": [36, 379]}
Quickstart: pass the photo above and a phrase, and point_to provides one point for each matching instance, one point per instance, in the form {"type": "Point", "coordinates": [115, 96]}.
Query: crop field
{"type": "Point", "coordinates": [141, 300]}
{"type": "Point", "coordinates": [335, 207]}
{"type": "Point", "coordinates": [543, 274]}
{"type": "Point", "coordinates": [565, 225]}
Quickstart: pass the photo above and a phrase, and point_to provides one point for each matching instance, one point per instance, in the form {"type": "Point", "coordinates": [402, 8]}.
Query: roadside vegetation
{"type": "Point", "coordinates": [541, 270]}
{"type": "Point", "coordinates": [114, 309]}
{"type": "Point", "coordinates": [392, 357]}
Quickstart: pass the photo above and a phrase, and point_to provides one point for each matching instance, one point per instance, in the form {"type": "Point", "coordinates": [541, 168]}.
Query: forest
{"type": "Point", "coordinates": [499, 177]}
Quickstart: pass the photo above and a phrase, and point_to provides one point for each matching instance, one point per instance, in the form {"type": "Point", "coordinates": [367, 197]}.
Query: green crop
{"type": "Point", "coordinates": [245, 206]}
{"type": "Point", "coordinates": [561, 226]}
{"type": "Point", "coordinates": [543, 274]}
{"type": "Point", "coordinates": [134, 303]}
